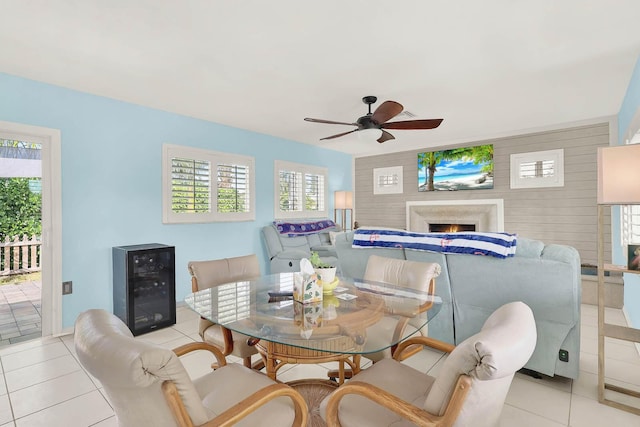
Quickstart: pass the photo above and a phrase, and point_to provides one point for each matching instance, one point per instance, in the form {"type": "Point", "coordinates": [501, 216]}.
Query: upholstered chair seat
{"type": "Point", "coordinates": [147, 385]}
{"type": "Point", "coordinates": [470, 388]}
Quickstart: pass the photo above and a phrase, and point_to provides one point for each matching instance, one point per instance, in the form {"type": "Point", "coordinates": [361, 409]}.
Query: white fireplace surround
{"type": "Point", "coordinates": [486, 214]}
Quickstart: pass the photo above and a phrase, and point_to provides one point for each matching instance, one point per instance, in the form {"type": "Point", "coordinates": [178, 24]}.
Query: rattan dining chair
{"type": "Point", "coordinates": [147, 385]}
{"type": "Point", "coordinates": [419, 276]}
{"type": "Point", "coordinates": [212, 273]}
{"type": "Point", "coordinates": [469, 390]}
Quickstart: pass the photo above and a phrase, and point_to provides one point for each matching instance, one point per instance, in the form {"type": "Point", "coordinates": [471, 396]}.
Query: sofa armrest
{"type": "Point", "coordinates": [272, 241]}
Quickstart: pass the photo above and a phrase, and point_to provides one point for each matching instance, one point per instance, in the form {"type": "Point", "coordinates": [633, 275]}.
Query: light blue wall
{"type": "Point", "coordinates": [111, 182]}
{"type": "Point", "coordinates": [630, 106]}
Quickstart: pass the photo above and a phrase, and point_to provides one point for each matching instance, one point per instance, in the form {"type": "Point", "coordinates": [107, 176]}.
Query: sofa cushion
{"type": "Point", "coordinates": [297, 242]}
{"type": "Point", "coordinates": [529, 248]}
{"type": "Point", "coordinates": [314, 240]}
{"type": "Point", "coordinates": [353, 261]}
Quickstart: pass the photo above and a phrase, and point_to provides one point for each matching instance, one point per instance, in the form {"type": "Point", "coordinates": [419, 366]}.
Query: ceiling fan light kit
{"type": "Point", "coordinates": [372, 125]}
{"type": "Point", "coordinates": [371, 134]}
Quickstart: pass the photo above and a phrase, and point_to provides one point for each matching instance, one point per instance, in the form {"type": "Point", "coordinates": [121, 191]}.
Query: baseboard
{"type": "Point", "coordinates": [614, 291]}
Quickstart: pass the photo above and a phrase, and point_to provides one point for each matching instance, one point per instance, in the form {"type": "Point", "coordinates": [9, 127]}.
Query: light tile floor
{"type": "Point", "coordinates": [43, 384]}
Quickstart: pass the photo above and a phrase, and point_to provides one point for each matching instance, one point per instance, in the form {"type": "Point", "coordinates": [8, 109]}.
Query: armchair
{"type": "Point", "coordinates": [208, 274]}
{"type": "Point", "coordinates": [469, 391]}
{"type": "Point", "coordinates": [147, 384]}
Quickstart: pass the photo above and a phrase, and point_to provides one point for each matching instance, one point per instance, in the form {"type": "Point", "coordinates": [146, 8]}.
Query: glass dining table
{"type": "Point", "coordinates": [356, 318]}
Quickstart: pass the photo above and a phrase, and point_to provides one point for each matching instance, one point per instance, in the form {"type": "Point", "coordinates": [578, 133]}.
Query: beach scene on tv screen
{"type": "Point", "coordinates": [468, 168]}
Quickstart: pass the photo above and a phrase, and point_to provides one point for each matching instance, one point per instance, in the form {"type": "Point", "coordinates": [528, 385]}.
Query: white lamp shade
{"type": "Point", "coordinates": [369, 135]}
{"type": "Point", "coordinates": [343, 200]}
{"type": "Point", "coordinates": [619, 175]}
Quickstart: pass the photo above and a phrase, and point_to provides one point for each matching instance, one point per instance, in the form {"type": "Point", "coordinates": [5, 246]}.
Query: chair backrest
{"type": "Point", "coordinates": [416, 275]}
{"type": "Point", "coordinates": [491, 358]}
{"type": "Point", "coordinates": [132, 371]}
{"type": "Point", "coordinates": [207, 274]}
{"type": "Point", "coordinates": [219, 271]}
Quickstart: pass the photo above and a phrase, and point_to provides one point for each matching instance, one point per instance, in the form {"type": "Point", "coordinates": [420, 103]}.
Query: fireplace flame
{"type": "Point", "coordinates": [451, 228]}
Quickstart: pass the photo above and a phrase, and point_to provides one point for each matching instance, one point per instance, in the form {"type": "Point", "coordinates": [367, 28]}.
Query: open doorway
{"type": "Point", "coordinates": [20, 241]}
{"type": "Point", "coordinates": [38, 252]}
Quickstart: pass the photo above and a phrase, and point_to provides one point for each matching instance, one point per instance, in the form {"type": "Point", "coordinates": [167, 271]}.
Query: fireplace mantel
{"type": "Point", "coordinates": [486, 214]}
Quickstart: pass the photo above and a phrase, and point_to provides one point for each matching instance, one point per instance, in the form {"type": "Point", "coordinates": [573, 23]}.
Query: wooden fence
{"type": "Point", "coordinates": [20, 255]}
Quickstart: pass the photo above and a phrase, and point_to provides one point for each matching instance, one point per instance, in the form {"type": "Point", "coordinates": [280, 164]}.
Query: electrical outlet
{"type": "Point", "coordinates": [67, 288]}
{"type": "Point", "coordinates": [563, 355]}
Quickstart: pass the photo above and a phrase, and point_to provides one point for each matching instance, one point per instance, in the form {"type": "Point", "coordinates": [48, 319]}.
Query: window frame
{"type": "Point", "coordinates": [215, 158]}
{"type": "Point", "coordinates": [395, 173]}
{"type": "Point", "coordinates": [281, 165]}
{"type": "Point", "coordinates": [629, 213]}
{"type": "Point", "coordinates": [556, 180]}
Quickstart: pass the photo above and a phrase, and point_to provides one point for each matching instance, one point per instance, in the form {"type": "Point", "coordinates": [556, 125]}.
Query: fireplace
{"type": "Point", "coordinates": [451, 228]}
{"type": "Point", "coordinates": [483, 215]}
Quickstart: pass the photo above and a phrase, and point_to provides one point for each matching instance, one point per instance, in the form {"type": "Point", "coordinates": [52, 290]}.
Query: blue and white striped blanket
{"type": "Point", "coordinates": [499, 245]}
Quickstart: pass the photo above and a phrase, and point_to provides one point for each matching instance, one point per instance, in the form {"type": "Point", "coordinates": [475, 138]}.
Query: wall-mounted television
{"type": "Point", "coordinates": [467, 168]}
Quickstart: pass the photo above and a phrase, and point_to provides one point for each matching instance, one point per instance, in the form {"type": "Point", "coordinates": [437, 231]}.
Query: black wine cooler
{"type": "Point", "coordinates": [144, 291]}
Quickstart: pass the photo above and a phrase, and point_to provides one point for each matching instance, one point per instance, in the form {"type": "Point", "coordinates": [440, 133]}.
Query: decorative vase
{"type": "Point", "coordinates": [326, 275]}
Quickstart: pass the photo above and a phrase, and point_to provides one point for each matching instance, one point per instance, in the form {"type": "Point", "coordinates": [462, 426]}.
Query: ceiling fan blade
{"type": "Point", "coordinates": [386, 111]}
{"type": "Point", "coordinates": [385, 137]}
{"type": "Point", "coordinates": [413, 124]}
{"type": "Point", "coordinates": [338, 135]}
{"type": "Point", "coordinates": [329, 122]}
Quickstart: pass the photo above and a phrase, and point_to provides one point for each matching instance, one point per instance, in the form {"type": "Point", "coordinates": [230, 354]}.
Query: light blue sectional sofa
{"type": "Point", "coordinates": [545, 277]}
{"type": "Point", "coordinates": [285, 252]}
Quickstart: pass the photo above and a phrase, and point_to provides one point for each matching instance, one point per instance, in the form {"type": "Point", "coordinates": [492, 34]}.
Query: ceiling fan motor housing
{"type": "Point", "coordinates": [366, 122]}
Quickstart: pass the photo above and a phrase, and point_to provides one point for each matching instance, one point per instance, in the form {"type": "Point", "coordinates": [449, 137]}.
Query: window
{"type": "Point", "coordinates": [300, 191]}
{"type": "Point", "coordinates": [630, 214]}
{"type": "Point", "coordinates": [206, 186]}
{"type": "Point", "coordinates": [630, 223]}
{"type": "Point", "coordinates": [538, 169]}
{"type": "Point", "coordinates": [387, 180]}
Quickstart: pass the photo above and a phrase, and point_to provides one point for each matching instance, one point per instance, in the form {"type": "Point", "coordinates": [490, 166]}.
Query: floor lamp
{"type": "Point", "coordinates": [618, 184]}
{"type": "Point", "coordinates": [343, 200]}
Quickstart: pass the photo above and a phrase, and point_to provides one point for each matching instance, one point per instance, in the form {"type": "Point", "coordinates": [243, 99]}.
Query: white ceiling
{"type": "Point", "coordinates": [489, 68]}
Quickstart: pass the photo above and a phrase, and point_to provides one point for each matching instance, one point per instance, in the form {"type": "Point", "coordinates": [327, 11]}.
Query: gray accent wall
{"type": "Point", "coordinates": [565, 215]}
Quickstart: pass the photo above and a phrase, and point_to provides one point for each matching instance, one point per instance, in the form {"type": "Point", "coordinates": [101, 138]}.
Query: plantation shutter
{"type": "Point", "coordinates": [314, 192]}
{"type": "Point", "coordinates": [233, 188]}
{"type": "Point", "coordinates": [630, 224]}
{"type": "Point", "coordinates": [190, 186]}
{"type": "Point", "coordinates": [538, 169]}
{"type": "Point", "coordinates": [291, 191]}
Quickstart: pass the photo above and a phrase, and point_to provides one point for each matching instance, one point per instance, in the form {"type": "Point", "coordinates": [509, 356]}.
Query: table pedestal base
{"type": "Point", "coordinates": [314, 391]}
{"type": "Point", "coordinates": [276, 355]}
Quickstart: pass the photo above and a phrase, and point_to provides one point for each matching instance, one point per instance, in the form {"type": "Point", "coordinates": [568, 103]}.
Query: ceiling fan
{"type": "Point", "coordinates": [378, 120]}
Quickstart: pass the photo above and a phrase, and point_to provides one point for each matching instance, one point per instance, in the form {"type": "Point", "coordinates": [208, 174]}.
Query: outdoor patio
{"type": "Point", "coordinates": [20, 312]}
